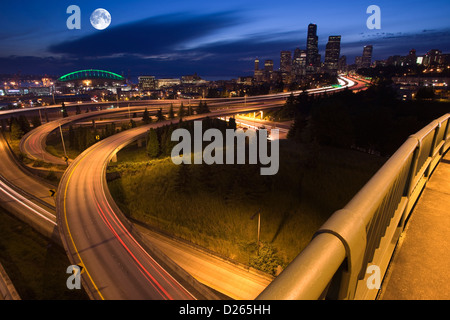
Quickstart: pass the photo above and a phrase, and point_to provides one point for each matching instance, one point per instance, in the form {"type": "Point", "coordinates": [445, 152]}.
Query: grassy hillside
{"type": "Point", "coordinates": [36, 266]}
{"type": "Point", "coordinates": [212, 205]}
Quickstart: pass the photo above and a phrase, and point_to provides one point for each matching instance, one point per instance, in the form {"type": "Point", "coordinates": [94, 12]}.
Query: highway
{"type": "Point", "coordinates": [33, 144]}
{"type": "Point", "coordinates": [94, 230]}
{"type": "Point", "coordinates": [26, 195]}
{"type": "Point", "coordinates": [19, 192]}
{"type": "Point", "coordinates": [96, 235]}
{"type": "Point", "coordinates": [228, 278]}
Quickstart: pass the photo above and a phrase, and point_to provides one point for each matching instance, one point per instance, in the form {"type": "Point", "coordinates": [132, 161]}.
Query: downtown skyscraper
{"type": "Point", "coordinates": [332, 54]}
{"type": "Point", "coordinates": [286, 61]}
{"type": "Point", "coordinates": [366, 60]}
{"type": "Point", "coordinates": [312, 50]}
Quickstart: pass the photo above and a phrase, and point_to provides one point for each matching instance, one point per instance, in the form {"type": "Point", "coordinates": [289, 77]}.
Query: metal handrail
{"type": "Point", "coordinates": [366, 230]}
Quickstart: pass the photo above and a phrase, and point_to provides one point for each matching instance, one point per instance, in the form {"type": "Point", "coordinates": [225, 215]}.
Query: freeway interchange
{"type": "Point", "coordinates": [118, 262]}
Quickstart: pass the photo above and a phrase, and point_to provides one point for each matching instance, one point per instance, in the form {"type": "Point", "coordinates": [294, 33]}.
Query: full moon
{"type": "Point", "coordinates": [100, 19]}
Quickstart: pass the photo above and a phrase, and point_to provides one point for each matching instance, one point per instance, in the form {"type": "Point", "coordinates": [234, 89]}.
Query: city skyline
{"type": "Point", "coordinates": [217, 41]}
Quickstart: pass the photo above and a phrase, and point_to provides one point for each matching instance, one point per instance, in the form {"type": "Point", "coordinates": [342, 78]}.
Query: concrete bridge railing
{"type": "Point", "coordinates": [365, 232]}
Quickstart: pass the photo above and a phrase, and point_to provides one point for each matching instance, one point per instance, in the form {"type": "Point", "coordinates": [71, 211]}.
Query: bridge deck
{"type": "Point", "coordinates": [420, 268]}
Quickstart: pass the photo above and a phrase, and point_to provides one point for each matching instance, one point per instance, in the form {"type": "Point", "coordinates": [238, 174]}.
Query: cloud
{"type": "Point", "coordinates": [389, 44]}
{"type": "Point", "coordinates": [157, 46]}
{"type": "Point", "coordinates": [151, 36]}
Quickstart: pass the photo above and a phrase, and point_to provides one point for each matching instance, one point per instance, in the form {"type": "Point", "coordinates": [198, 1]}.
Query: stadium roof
{"type": "Point", "coordinates": [90, 74]}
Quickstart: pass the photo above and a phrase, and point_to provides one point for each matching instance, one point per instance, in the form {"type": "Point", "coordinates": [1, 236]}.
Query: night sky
{"type": "Point", "coordinates": [216, 39]}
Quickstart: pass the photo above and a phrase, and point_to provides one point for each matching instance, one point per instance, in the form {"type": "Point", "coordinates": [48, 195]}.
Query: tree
{"type": "Point", "coordinates": [171, 114]}
{"type": "Point", "coordinates": [110, 129]}
{"type": "Point", "coordinates": [232, 123]}
{"type": "Point", "coordinates": [71, 137]}
{"type": "Point", "coordinates": [64, 110]}
{"type": "Point", "coordinates": [181, 112]}
{"type": "Point", "coordinates": [152, 144]}
{"type": "Point", "coordinates": [181, 179]}
{"type": "Point", "coordinates": [159, 115]}
{"type": "Point", "coordinates": [36, 122]}
{"type": "Point", "coordinates": [146, 117]}
{"type": "Point", "coordinates": [16, 131]}
{"type": "Point", "coordinates": [202, 108]}
{"type": "Point", "coordinates": [166, 141]}
{"type": "Point", "coordinates": [23, 123]}
{"type": "Point", "coordinates": [425, 93]}
{"type": "Point", "coordinates": [80, 138]}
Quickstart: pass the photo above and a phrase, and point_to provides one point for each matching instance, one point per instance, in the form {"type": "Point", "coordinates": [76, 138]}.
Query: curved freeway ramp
{"type": "Point", "coordinates": [116, 266]}
{"type": "Point", "coordinates": [33, 144]}
{"type": "Point", "coordinates": [97, 236]}
{"type": "Point", "coordinates": [95, 232]}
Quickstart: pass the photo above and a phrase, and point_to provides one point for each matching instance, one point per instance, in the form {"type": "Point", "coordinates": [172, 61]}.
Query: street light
{"type": "Point", "coordinates": [259, 227]}
{"type": "Point", "coordinates": [66, 158]}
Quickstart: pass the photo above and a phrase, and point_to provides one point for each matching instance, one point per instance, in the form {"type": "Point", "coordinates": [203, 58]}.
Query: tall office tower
{"type": "Point", "coordinates": [312, 50]}
{"type": "Point", "coordinates": [358, 62]}
{"type": "Point", "coordinates": [286, 66]}
{"type": "Point", "coordinates": [268, 65]}
{"type": "Point", "coordinates": [342, 64]}
{"type": "Point", "coordinates": [367, 57]}
{"type": "Point", "coordinates": [299, 63]}
{"type": "Point", "coordinates": [258, 73]}
{"type": "Point", "coordinates": [332, 53]}
{"type": "Point", "coordinates": [268, 69]}
{"type": "Point", "coordinates": [296, 63]}
{"type": "Point", "coordinates": [286, 61]}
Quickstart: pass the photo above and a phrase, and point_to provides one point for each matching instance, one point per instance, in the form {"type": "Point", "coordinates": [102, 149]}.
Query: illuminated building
{"type": "Point", "coordinates": [168, 82]}
{"type": "Point", "coordinates": [366, 60]}
{"type": "Point", "coordinates": [299, 63]}
{"type": "Point", "coordinates": [332, 53]}
{"type": "Point", "coordinates": [258, 74]}
{"type": "Point", "coordinates": [342, 64]}
{"type": "Point", "coordinates": [268, 69]}
{"type": "Point", "coordinates": [256, 64]}
{"type": "Point", "coordinates": [312, 50]}
{"type": "Point", "coordinates": [147, 83]}
{"type": "Point", "coordinates": [433, 57]}
{"type": "Point", "coordinates": [286, 61]}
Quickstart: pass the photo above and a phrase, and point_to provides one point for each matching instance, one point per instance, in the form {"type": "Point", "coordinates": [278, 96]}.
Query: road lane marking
{"type": "Point", "coordinates": [67, 223]}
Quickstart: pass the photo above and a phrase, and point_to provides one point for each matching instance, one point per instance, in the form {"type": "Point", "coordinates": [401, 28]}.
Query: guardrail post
{"type": "Point", "coordinates": [433, 145]}
{"type": "Point", "coordinates": [411, 182]}
{"type": "Point", "coordinates": [412, 174]}
{"type": "Point", "coordinates": [446, 133]}
{"type": "Point", "coordinates": [353, 236]}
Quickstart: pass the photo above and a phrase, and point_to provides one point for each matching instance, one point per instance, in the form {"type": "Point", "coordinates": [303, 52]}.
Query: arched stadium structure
{"type": "Point", "coordinates": [89, 79]}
